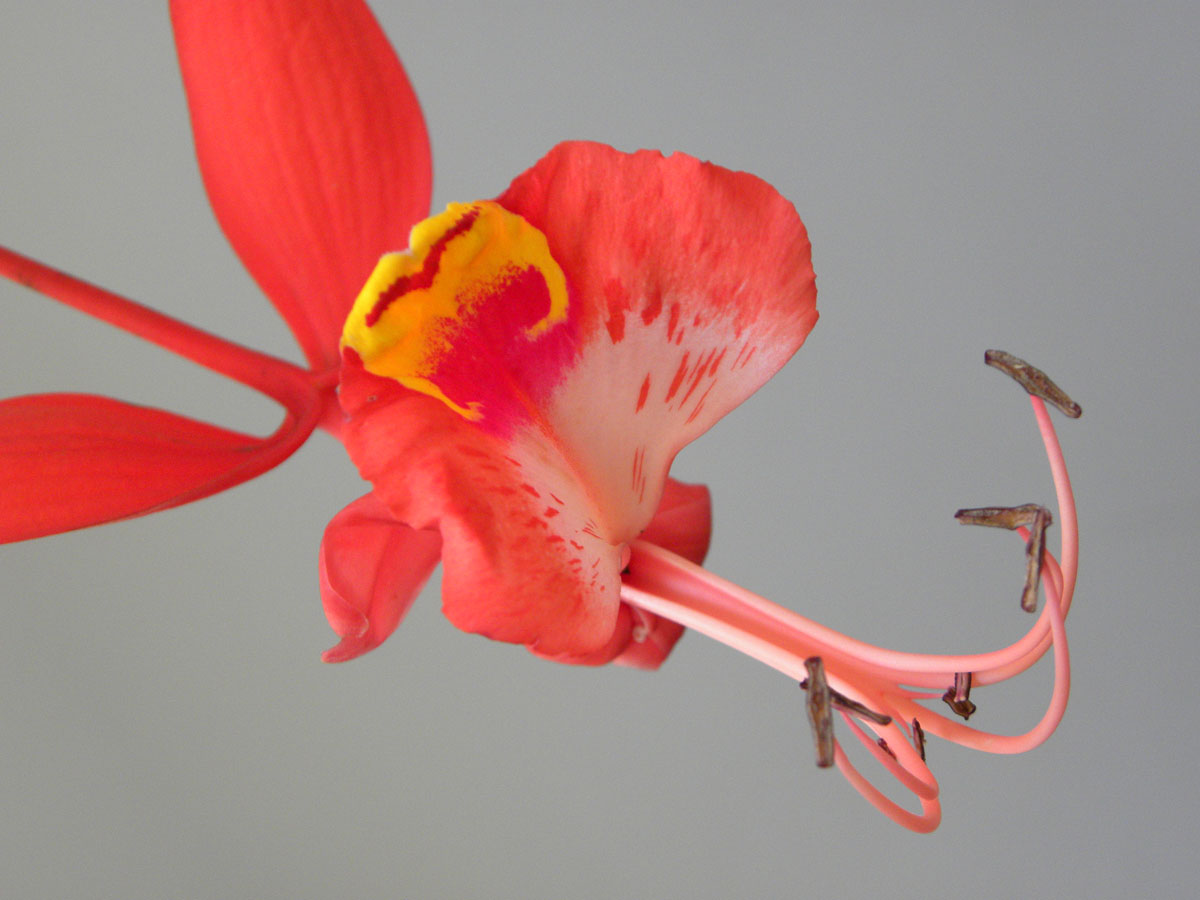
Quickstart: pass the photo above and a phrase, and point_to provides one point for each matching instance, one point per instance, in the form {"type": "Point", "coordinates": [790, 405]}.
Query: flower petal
{"type": "Point", "coordinates": [312, 147]}
{"type": "Point", "coordinates": [522, 382]}
{"type": "Point", "coordinates": [691, 285]}
{"type": "Point", "coordinates": [372, 568]}
{"type": "Point", "coordinates": [683, 521]}
{"type": "Point", "coordinates": [523, 560]}
{"type": "Point", "coordinates": [72, 460]}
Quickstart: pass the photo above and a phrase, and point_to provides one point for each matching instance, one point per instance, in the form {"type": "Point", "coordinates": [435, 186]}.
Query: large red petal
{"type": "Point", "coordinates": [72, 460]}
{"type": "Point", "coordinates": [372, 568]}
{"type": "Point", "coordinates": [312, 147]}
{"type": "Point", "coordinates": [691, 285]}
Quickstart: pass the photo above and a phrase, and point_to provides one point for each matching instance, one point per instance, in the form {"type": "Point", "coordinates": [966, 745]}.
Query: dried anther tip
{"type": "Point", "coordinates": [883, 745]}
{"type": "Point", "coordinates": [1010, 517]}
{"type": "Point", "coordinates": [1034, 380]}
{"type": "Point", "coordinates": [958, 698]}
{"type": "Point", "coordinates": [1036, 519]}
{"type": "Point", "coordinates": [919, 738]}
{"type": "Point", "coordinates": [845, 704]}
{"type": "Point", "coordinates": [820, 711]}
{"type": "Point", "coordinates": [1034, 549]}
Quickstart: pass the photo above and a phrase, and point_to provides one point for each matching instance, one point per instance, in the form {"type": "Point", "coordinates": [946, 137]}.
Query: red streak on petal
{"type": "Point", "coordinates": [575, 544]}
{"type": "Point", "coordinates": [424, 278]}
{"type": "Point", "coordinates": [557, 500]}
{"type": "Point", "coordinates": [618, 300]}
{"type": "Point", "coordinates": [699, 404]}
{"type": "Point", "coordinates": [639, 472]}
{"type": "Point", "coordinates": [550, 512]}
{"type": "Point", "coordinates": [679, 376]}
{"type": "Point", "coordinates": [532, 490]}
{"type": "Point", "coordinates": [672, 321]}
{"type": "Point", "coordinates": [645, 392]}
{"type": "Point", "coordinates": [653, 307]}
{"type": "Point", "coordinates": [716, 363]}
{"type": "Point", "coordinates": [699, 373]}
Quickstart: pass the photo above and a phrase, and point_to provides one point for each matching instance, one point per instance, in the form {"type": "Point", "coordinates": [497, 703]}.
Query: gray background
{"type": "Point", "coordinates": [1013, 175]}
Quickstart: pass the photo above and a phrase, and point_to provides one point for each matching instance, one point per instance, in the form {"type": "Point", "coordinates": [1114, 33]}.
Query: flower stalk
{"type": "Point", "coordinates": [291, 386]}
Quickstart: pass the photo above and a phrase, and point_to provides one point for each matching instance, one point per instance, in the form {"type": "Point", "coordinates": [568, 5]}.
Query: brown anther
{"type": "Point", "coordinates": [820, 711]}
{"type": "Point", "coordinates": [1010, 517]}
{"type": "Point", "coordinates": [845, 704]}
{"type": "Point", "coordinates": [1034, 380]}
{"type": "Point", "coordinates": [958, 698]}
{"type": "Point", "coordinates": [919, 738]}
{"type": "Point", "coordinates": [883, 745]}
{"type": "Point", "coordinates": [1034, 548]}
{"type": "Point", "coordinates": [1030, 515]}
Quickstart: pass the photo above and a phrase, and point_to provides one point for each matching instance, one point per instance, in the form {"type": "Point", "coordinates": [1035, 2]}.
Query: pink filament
{"type": "Point", "coordinates": [882, 679]}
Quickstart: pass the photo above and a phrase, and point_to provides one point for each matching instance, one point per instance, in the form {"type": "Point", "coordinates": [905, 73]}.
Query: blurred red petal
{"type": "Point", "coordinates": [683, 521]}
{"type": "Point", "coordinates": [372, 568]}
{"type": "Point", "coordinates": [312, 147]}
{"type": "Point", "coordinates": [683, 525]}
{"type": "Point", "coordinates": [72, 460]}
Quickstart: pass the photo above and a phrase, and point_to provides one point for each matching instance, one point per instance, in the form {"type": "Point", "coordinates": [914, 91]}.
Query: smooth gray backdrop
{"type": "Point", "coordinates": [972, 174]}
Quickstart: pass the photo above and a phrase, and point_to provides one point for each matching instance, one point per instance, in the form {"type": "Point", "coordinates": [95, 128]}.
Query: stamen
{"type": "Point", "coordinates": [668, 586]}
{"type": "Point", "coordinates": [958, 698]}
{"type": "Point", "coordinates": [1034, 548]}
{"type": "Point", "coordinates": [820, 714]}
{"type": "Point", "coordinates": [1034, 380]}
{"type": "Point", "coordinates": [1031, 516]}
{"type": "Point", "coordinates": [919, 738]}
{"type": "Point", "coordinates": [1010, 517]}
{"type": "Point", "coordinates": [845, 704]}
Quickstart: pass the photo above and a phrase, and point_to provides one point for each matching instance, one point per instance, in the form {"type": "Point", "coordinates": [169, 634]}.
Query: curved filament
{"type": "Point", "coordinates": [887, 682]}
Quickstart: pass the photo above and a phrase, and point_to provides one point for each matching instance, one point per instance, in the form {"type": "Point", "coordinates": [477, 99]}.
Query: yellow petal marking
{"type": "Point", "coordinates": [407, 315]}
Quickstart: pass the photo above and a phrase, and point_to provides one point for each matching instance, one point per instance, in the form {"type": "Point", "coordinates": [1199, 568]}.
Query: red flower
{"type": "Point", "coordinates": [515, 384]}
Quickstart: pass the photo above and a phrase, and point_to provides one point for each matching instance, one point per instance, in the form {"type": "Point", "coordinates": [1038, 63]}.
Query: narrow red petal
{"type": "Point", "coordinates": [72, 460]}
{"type": "Point", "coordinates": [312, 147]}
{"type": "Point", "coordinates": [372, 568]}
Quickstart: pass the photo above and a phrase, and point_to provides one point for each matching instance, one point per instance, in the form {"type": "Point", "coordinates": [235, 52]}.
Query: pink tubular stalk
{"type": "Point", "coordinates": [885, 681]}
